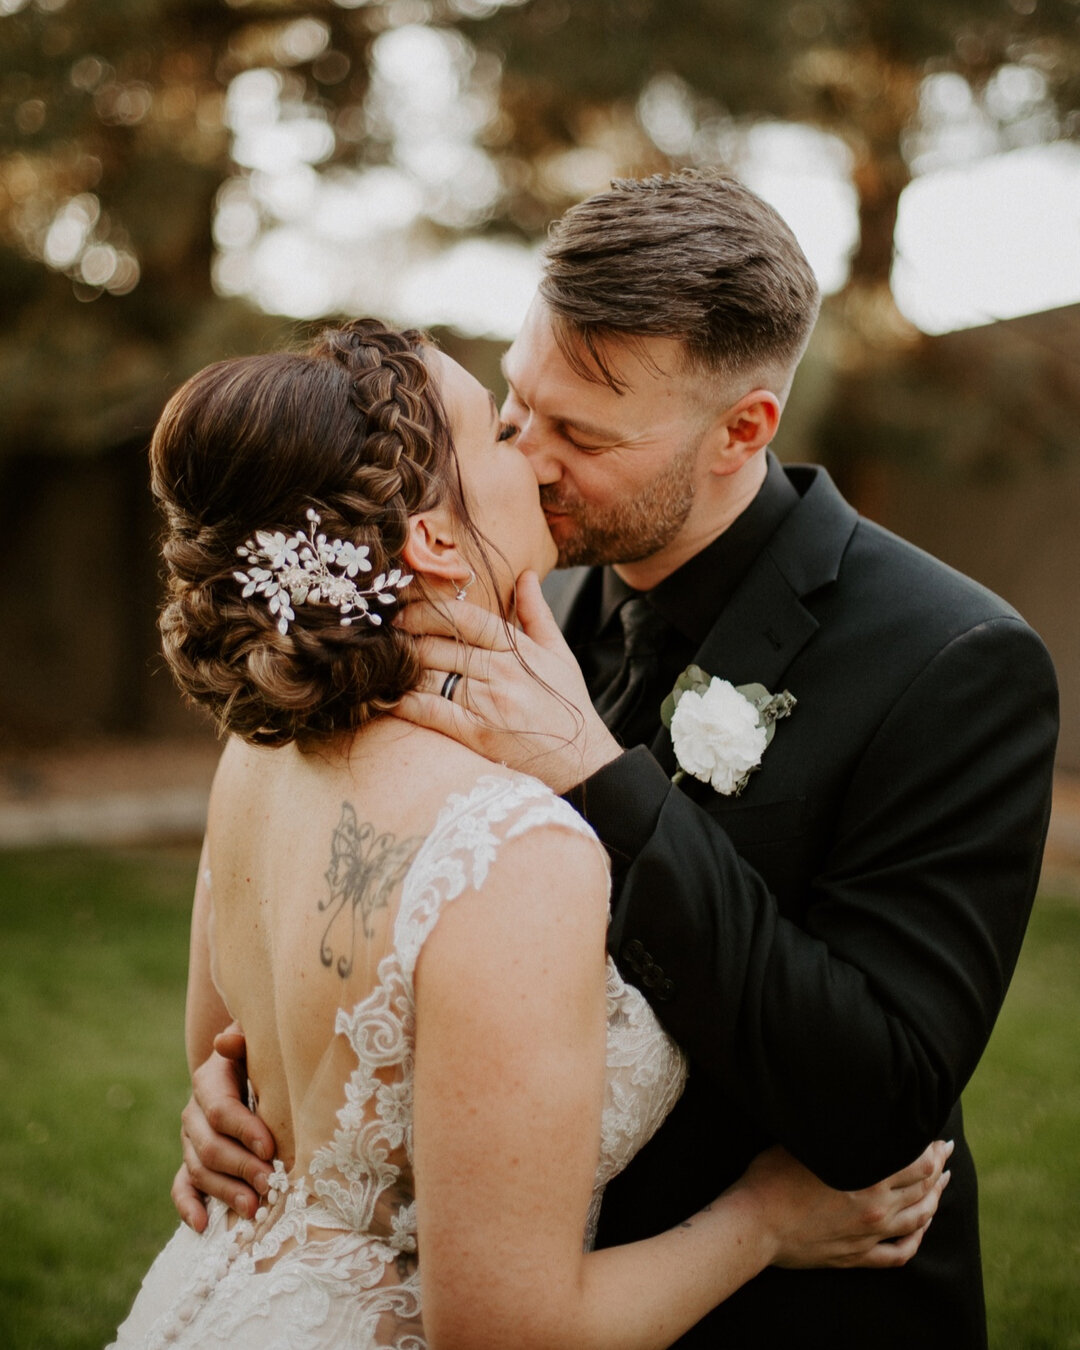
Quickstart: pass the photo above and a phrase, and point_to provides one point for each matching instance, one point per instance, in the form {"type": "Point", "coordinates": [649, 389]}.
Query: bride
{"type": "Point", "coordinates": [412, 938]}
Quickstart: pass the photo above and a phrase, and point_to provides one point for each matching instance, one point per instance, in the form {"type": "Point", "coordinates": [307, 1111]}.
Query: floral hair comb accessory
{"type": "Point", "coordinates": [292, 570]}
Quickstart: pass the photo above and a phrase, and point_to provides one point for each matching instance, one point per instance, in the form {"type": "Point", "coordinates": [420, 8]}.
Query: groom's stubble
{"type": "Point", "coordinates": [589, 535]}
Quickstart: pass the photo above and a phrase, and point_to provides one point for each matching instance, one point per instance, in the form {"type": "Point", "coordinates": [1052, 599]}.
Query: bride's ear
{"type": "Point", "coordinates": [431, 550]}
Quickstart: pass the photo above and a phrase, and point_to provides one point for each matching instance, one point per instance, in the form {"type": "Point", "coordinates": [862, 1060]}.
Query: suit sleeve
{"type": "Point", "coordinates": [849, 1037]}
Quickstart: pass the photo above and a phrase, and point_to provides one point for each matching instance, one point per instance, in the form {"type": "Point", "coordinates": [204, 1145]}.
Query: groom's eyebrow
{"type": "Point", "coordinates": [567, 419]}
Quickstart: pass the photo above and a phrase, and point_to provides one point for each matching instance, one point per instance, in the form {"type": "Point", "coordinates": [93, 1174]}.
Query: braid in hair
{"type": "Point", "coordinates": [353, 428]}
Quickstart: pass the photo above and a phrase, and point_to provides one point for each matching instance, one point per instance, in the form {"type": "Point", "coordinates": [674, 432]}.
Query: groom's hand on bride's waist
{"type": "Point", "coordinates": [226, 1146]}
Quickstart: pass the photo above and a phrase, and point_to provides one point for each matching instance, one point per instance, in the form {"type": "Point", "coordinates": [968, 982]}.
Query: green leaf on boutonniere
{"type": "Point", "coordinates": [694, 679]}
{"type": "Point", "coordinates": [770, 707]}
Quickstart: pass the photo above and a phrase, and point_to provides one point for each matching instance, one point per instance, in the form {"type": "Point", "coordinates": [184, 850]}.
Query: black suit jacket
{"type": "Point", "coordinates": [832, 947]}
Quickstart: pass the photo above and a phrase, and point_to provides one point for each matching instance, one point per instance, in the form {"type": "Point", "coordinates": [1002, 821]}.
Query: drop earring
{"type": "Point", "coordinates": [463, 589]}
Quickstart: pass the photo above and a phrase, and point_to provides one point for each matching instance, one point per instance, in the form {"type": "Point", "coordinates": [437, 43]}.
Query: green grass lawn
{"type": "Point", "coordinates": [1022, 1111]}
{"type": "Point", "coordinates": [92, 1078]}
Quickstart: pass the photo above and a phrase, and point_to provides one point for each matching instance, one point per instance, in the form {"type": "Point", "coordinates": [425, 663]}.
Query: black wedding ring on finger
{"type": "Point", "coordinates": [450, 684]}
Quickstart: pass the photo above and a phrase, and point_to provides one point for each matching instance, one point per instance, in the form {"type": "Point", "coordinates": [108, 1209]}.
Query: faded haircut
{"type": "Point", "coordinates": [693, 256]}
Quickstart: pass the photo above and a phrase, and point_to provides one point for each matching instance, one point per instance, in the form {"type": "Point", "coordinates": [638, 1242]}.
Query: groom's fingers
{"type": "Point", "coordinates": [439, 656]}
{"type": "Point", "coordinates": [216, 1104]}
{"type": "Point", "coordinates": [220, 1167]}
{"type": "Point", "coordinates": [188, 1200]}
{"type": "Point", "coordinates": [429, 709]}
{"type": "Point", "coordinates": [230, 1043]}
{"type": "Point", "coordinates": [431, 684]}
{"type": "Point", "coordinates": [225, 1145]}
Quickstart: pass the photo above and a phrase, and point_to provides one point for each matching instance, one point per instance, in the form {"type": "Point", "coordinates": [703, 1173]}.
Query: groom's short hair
{"type": "Point", "coordinates": [694, 256]}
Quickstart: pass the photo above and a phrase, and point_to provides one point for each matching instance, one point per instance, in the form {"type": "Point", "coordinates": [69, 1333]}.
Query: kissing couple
{"type": "Point", "coordinates": [578, 986]}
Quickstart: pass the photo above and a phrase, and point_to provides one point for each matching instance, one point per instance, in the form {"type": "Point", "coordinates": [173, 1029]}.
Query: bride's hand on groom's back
{"type": "Point", "coordinates": [814, 1225]}
{"type": "Point", "coordinates": [226, 1147]}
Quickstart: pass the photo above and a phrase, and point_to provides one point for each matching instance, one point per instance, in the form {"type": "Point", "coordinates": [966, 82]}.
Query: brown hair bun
{"type": "Point", "coordinates": [352, 427]}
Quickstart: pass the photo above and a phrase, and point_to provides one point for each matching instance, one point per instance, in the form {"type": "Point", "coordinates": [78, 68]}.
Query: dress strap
{"type": "Point", "coordinates": [462, 846]}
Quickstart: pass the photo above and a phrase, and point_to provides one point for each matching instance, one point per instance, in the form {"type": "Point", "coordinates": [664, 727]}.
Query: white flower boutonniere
{"type": "Point", "coordinates": [720, 732]}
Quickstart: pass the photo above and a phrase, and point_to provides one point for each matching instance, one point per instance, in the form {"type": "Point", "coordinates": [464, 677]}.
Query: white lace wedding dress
{"type": "Point", "coordinates": [331, 1261]}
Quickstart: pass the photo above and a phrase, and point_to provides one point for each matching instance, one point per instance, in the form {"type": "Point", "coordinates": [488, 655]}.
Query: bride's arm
{"type": "Point", "coordinates": [205, 1014]}
{"type": "Point", "coordinates": [508, 1097]}
{"type": "Point", "coordinates": [219, 1158]}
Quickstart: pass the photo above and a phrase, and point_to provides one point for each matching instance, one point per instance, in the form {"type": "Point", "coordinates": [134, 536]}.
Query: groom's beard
{"type": "Point", "coordinates": [589, 535]}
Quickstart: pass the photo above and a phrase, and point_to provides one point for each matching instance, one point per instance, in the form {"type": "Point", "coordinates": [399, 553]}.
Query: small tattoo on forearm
{"type": "Point", "coordinates": [364, 869]}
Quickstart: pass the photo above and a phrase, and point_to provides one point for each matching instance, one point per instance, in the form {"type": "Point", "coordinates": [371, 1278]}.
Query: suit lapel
{"type": "Point", "coordinates": [760, 632]}
{"type": "Point", "coordinates": [765, 624]}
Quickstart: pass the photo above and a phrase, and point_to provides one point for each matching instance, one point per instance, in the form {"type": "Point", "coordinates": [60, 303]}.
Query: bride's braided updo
{"type": "Point", "coordinates": [353, 428]}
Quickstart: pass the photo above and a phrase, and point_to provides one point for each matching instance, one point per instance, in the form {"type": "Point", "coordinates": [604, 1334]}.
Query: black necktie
{"type": "Point", "coordinates": [643, 632]}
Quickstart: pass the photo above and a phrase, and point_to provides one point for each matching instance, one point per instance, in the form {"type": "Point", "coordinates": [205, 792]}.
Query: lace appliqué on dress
{"type": "Point", "coordinates": [331, 1259]}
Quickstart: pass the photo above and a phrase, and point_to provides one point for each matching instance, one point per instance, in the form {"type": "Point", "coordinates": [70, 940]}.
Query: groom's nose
{"type": "Point", "coordinates": [541, 452]}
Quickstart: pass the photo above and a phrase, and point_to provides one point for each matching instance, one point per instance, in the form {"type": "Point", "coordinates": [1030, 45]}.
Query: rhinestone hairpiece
{"type": "Point", "coordinates": [291, 569]}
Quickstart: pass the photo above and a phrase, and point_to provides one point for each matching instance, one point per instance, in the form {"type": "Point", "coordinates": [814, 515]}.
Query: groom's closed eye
{"type": "Point", "coordinates": [572, 438]}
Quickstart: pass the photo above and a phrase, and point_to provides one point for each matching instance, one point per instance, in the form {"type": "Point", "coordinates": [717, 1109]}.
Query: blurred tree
{"type": "Point", "coordinates": [115, 142]}
{"type": "Point", "coordinates": [126, 177]}
{"type": "Point", "coordinates": [659, 82]}
{"type": "Point", "coordinates": [576, 73]}
{"type": "Point", "coordinates": [113, 146]}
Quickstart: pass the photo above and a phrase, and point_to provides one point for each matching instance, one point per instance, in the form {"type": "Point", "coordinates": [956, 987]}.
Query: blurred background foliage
{"type": "Point", "coordinates": [116, 159]}
{"type": "Point", "coordinates": [146, 145]}
{"type": "Point", "coordinates": [852, 67]}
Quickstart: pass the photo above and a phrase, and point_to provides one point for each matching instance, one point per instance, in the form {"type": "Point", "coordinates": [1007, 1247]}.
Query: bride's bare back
{"type": "Point", "coordinates": [378, 1082]}
{"type": "Point", "coordinates": [308, 851]}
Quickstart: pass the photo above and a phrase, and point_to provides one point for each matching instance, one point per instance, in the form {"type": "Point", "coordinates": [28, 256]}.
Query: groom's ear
{"type": "Point", "coordinates": [430, 549]}
{"type": "Point", "coordinates": [739, 433]}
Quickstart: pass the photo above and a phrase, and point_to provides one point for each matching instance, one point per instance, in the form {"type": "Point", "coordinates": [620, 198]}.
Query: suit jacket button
{"type": "Point", "coordinates": [664, 991]}
{"type": "Point", "coordinates": [635, 956]}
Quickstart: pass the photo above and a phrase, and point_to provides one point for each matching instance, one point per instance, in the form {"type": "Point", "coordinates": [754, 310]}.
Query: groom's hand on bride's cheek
{"type": "Point", "coordinates": [226, 1147]}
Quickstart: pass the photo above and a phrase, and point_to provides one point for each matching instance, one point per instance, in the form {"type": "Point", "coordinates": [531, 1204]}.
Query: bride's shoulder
{"type": "Point", "coordinates": [512, 804]}
{"type": "Point", "coordinates": [523, 869]}
{"type": "Point", "coordinates": [518, 839]}
{"type": "Point", "coordinates": [445, 776]}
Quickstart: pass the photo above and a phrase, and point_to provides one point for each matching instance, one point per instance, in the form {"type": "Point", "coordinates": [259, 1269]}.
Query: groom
{"type": "Point", "coordinates": [832, 944]}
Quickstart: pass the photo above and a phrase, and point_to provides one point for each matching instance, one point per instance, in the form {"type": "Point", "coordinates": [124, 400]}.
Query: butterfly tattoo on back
{"type": "Point", "coordinates": [364, 870]}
